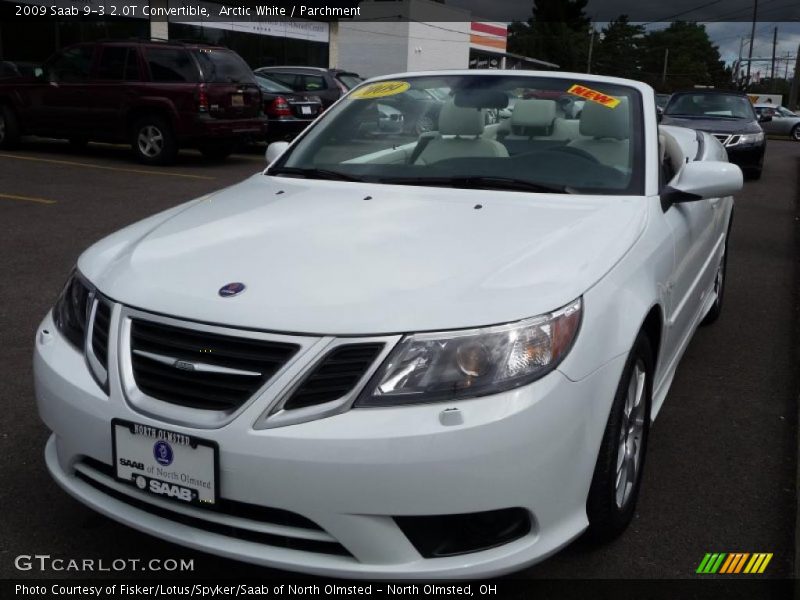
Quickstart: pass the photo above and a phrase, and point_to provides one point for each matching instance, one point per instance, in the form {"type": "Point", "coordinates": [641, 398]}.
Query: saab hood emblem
{"type": "Point", "coordinates": [231, 289]}
{"type": "Point", "coordinates": [183, 365]}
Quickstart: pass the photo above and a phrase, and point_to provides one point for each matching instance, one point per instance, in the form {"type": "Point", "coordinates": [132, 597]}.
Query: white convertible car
{"type": "Point", "coordinates": [393, 356]}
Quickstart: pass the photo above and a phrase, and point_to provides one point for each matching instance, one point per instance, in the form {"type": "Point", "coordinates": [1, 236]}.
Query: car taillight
{"type": "Point", "coordinates": [202, 99]}
{"type": "Point", "coordinates": [279, 108]}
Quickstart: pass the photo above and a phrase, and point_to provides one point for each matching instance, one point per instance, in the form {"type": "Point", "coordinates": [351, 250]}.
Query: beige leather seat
{"type": "Point", "coordinates": [607, 133]}
{"type": "Point", "coordinates": [532, 119]}
{"type": "Point", "coordinates": [566, 129]}
{"type": "Point", "coordinates": [460, 132]}
{"type": "Point", "coordinates": [671, 156]}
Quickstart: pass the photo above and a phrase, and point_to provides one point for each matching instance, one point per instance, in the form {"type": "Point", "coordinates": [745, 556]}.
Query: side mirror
{"type": "Point", "coordinates": [274, 150]}
{"type": "Point", "coordinates": [764, 118]}
{"type": "Point", "coordinates": [703, 179]}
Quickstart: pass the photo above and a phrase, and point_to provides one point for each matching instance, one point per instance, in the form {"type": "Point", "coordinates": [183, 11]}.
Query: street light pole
{"type": "Point", "coordinates": [752, 43]}
{"type": "Point", "coordinates": [666, 60]}
{"type": "Point", "coordinates": [591, 47]}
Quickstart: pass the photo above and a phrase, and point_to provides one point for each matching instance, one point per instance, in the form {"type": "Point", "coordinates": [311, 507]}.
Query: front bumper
{"type": "Point", "coordinates": [747, 156]}
{"type": "Point", "coordinates": [534, 447]}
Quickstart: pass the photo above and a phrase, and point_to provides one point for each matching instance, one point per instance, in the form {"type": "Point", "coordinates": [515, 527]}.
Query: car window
{"type": "Point", "coordinates": [132, 69]}
{"type": "Point", "coordinates": [476, 133]}
{"type": "Point", "coordinates": [312, 83]}
{"type": "Point", "coordinates": [349, 81]}
{"type": "Point", "coordinates": [112, 63]}
{"type": "Point", "coordinates": [269, 85]}
{"type": "Point", "coordinates": [785, 112]}
{"type": "Point", "coordinates": [72, 65]}
{"type": "Point", "coordinates": [222, 66]}
{"type": "Point", "coordinates": [710, 106]}
{"type": "Point", "coordinates": [171, 65]}
{"type": "Point", "coordinates": [288, 79]}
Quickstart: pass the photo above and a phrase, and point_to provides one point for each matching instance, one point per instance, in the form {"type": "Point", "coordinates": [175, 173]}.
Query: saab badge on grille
{"type": "Point", "coordinates": [183, 365]}
{"type": "Point", "coordinates": [231, 289]}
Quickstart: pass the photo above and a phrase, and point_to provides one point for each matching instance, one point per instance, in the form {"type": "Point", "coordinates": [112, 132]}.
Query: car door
{"type": "Point", "coordinates": [772, 126]}
{"type": "Point", "coordinates": [115, 80]}
{"type": "Point", "coordinates": [62, 105]}
{"type": "Point", "coordinates": [697, 231]}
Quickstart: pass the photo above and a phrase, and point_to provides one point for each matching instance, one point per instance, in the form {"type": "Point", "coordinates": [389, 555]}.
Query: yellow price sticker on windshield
{"type": "Point", "coordinates": [594, 96]}
{"type": "Point", "coordinates": [380, 89]}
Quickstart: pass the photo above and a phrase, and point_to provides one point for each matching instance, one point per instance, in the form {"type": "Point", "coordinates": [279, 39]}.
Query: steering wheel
{"type": "Point", "coordinates": [576, 152]}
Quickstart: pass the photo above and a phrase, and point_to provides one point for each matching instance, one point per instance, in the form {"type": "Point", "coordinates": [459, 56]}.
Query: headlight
{"type": "Point", "coordinates": [752, 138]}
{"type": "Point", "coordinates": [430, 367]}
{"type": "Point", "coordinates": [71, 310]}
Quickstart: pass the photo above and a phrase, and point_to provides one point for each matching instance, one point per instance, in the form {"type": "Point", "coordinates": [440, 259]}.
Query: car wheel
{"type": "Point", "coordinates": [796, 133]}
{"type": "Point", "coordinates": [153, 141]}
{"type": "Point", "coordinates": [754, 174]}
{"type": "Point", "coordinates": [216, 150]}
{"type": "Point", "coordinates": [620, 462]}
{"type": "Point", "coordinates": [719, 287]}
{"type": "Point", "coordinates": [9, 128]}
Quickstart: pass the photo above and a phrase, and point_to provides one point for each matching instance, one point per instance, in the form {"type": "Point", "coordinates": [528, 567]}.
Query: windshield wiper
{"type": "Point", "coordinates": [482, 182]}
{"type": "Point", "coordinates": [313, 173]}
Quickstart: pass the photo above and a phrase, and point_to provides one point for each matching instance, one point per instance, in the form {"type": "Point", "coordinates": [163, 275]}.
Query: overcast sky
{"type": "Point", "coordinates": [727, 21]}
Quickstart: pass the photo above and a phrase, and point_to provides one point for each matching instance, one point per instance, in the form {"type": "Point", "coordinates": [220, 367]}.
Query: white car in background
{"type": "Point", "coordinates": [384, 358]}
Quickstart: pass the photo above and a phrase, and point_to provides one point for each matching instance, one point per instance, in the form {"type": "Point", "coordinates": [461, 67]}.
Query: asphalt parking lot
{"type": "Point", "coordinates": [722, 463]}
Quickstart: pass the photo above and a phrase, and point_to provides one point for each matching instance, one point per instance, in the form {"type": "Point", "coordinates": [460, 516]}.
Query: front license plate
{"type": "Point", "coordinates": [306, 110]}
{"type": "Point", "coordinates": [164, 463]}
{"type": "Point", "coordinates": [237, 100]}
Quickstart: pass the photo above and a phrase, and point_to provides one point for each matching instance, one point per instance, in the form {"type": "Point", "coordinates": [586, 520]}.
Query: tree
{"type": "Point", "coordinates": [557, 31]}
{"type": "Point", "coordinates": [618, 52]}
{"type": "Point", "coordinates": [693, 59]}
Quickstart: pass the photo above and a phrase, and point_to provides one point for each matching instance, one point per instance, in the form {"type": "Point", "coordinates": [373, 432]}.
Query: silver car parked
{"type": "Point", "coordinates": [784, 121]}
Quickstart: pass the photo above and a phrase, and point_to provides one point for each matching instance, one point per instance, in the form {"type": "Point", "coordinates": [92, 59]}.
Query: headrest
{"type": "Point", "coordinates": [457, 120]}
{"type": "Point", "coordinates": [600, 121]}
{"type": "Point", "coordinates": [533, 113]}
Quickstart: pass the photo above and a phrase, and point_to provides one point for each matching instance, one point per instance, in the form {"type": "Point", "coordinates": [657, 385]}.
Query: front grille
{"type": "Point", "coordinates": [102, 320]}
{"type": "Point", "coordinates": [198, 369]}
{"type": "Point", "coordinates": [246, 521]}
{"type": "Point", "coordinates": [336, 375]}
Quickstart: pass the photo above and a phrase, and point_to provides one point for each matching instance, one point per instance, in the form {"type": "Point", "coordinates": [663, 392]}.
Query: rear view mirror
{"type": "Point", "coordinates": [703, 179]}
{"type": "Point", "coordinates": [480, 99]}
{"type": "Point", "coordinates": [274, 150]}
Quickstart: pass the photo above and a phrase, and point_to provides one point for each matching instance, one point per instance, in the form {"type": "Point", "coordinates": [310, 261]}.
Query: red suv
{"type": "Point", "coordinates": [157, 96]}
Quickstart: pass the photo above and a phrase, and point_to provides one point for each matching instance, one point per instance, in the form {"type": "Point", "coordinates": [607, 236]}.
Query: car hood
{"type": "Point", "coordinates": [331, 257]}
{"type": "Point", "coordinates": [713, 125]}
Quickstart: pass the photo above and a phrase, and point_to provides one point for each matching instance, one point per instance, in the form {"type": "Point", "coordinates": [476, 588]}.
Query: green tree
{"type": "Point", "coordinates": [618, 51]}
{"type": "Point", "coordinates": [557, 31]}
{"type": "Point", "coordinates": [692, 60]}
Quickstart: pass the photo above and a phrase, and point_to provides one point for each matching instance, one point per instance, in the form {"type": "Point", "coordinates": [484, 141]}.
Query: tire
{"type": "Point", "coordinates": [610, 507]}
{"type": "Point", "coordinates": [754, 174]}
{"type": "Point", "coordinates": [795, 133]}
{"type": "Point", "coordinates": [9, 129]}
{"type": "Point", "coordinates": [216, 151]}
{"type": "Point", "coordinates": [719, 285]}
{"type": "Point", "coordinates": [153, 141]}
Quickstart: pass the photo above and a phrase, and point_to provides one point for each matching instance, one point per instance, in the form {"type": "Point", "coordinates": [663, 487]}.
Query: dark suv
{"type": "Point", "coordinates": [328, 84]}
{"type": "Point", "coordinates": [157, 96]}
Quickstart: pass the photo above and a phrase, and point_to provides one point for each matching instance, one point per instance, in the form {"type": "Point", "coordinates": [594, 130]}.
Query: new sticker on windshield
{"type": "Point", "coordinates": [594, 96]}
{"type": "Point", "coordinates": [380, 90]}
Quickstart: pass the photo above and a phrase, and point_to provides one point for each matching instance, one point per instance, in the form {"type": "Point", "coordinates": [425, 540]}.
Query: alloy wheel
{"type": "Point", "coordinates": [796, 133]}
{"type": "Point", "coordinates": [629, 448]}
{"type": "Point", "coordinates": [150, 141]}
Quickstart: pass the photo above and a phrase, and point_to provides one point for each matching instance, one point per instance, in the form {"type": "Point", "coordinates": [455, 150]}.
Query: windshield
{"type": "Point", "coordinates": [505, 132]}
{"type": "Point", "coordinates": [785, 112]}
{"type": "Point", "coordinates": [710, 106]}
{"type": "Point", "coordinates": [223, 66]}
{"type": "Point", "coordinates": [270, 85]}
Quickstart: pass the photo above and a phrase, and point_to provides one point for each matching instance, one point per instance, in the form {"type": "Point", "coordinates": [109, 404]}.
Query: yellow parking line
{"type": "Point", "coordinates": [93, 166]}
{"type": "Point", "coordinates": [27, 199]}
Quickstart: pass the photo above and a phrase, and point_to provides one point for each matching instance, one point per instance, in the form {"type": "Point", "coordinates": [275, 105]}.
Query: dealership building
{"type": "Point", "coordinates": [388, 35]}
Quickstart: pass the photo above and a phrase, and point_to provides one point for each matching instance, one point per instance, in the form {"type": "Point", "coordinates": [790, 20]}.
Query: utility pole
{"type": "Point", "coordinates": [792, 105]}
{"type": "Point", "coordinates": [666, 60]}
{"type": "Point", "coordinates": [591, 48]}
{"type": "Point", "coordinates": [772, 75]}
{"type": "Point", "coordinates": [752, 43]}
